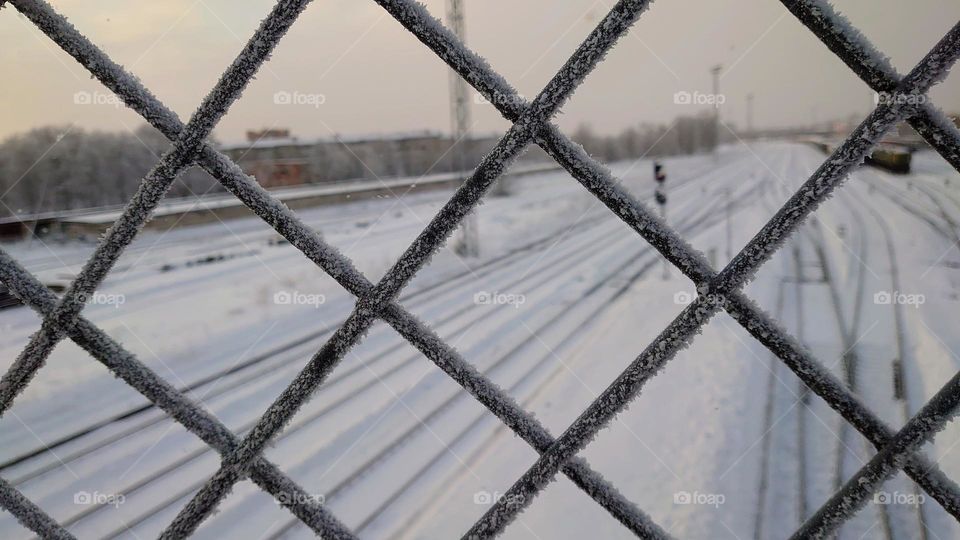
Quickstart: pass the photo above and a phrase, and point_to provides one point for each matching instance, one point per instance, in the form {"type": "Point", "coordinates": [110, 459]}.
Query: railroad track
{"type": "Point", "coordinates": [850, 359]}
{"type": "Point", "coordinates": [270, 367]}
{"type": "Point", "coordinates": [418, 292]}
{"type": "Point", "coordinates": [306, 342]}
{"type": "Point", "coordinates": [893, 521]}
{"type": "Point", "coordinates": [244, 371]}
{"type": "Point", "coordinates": [400, 432]}
{"type": "Point", "coordinates": [622, 280]}
{"type": "Point", "coordinates": [785, 498]}
{"type": "Point", "coordinates": [902, 387]}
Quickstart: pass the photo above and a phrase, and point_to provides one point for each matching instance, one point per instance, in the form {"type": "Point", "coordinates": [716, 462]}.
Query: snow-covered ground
{"type": "Point", "coordinates": [724, 443]}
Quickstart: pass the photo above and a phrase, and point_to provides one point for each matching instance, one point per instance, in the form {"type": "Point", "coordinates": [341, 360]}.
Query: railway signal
{"type": "Point", "coordinates": [660, 195]}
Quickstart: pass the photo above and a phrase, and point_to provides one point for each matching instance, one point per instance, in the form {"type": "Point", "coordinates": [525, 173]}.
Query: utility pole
{"type": "Point", "coordinates": [715, 71]}
{"type": "Point", "coordinates": [750, 114]}
{"type": "Point", "coordinates": [468, 242]}
{"type": "Point", "coordinates": [729, 226]}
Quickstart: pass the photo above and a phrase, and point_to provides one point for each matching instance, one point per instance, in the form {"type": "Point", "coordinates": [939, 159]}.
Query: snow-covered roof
{"type": "Point", "coordinates": [212, 202]}
{"type": "Point", "coordinates": [276, 142]}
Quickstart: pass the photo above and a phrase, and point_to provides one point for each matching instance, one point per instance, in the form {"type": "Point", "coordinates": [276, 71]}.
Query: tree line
{"type": "Point", "coordinates": [686, 135]}
{"type": "Point", "coordinates": [65, 168]}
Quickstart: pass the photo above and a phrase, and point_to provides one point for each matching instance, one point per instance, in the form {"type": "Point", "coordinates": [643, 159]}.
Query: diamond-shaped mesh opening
{"type": "Point", "coordinates": [243, 457]}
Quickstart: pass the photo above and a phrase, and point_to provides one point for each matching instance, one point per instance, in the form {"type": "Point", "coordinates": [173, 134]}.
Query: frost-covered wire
{"type": "Point", "coordinates": [192, 416]}
{"type": "Point", "coordinates": [539, 112]}
{"type": "Point", "coordinates": [738, 272]}
{"type": "Point", "coordinates": [149, 194]}
{"type": "Point", "coordinates": [60, 317]}
{"type": "Point", "coordinates": [285, 222]}
{"type": "Point", "coordinates": [557, 91]}
{"type": "Point", "coordinates": [875, 69]}
{"type": "Point", "coordinates": [931, 418]}
{"type": "Point", "coordinates": [826, 385]}
{"type": "Point", "coordinates": [525, 425]}
{"type": "Point", "coordinates": [129, 89]}
{"type": "Point", "coordinates": [931, 69]}
{"type": "Point", "coordinates": [30, 515]}
{"type": "Point", "coordinates": [530, 122]}
{"type": "Point", "coordinates": [598, 180]}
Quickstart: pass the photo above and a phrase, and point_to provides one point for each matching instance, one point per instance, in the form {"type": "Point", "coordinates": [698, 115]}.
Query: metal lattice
{"type": "Point", "coordinates": [242, 458]}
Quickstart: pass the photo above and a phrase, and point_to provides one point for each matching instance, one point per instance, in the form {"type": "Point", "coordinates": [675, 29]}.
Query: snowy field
{"type": "Point", "coordinates": [724, 443]}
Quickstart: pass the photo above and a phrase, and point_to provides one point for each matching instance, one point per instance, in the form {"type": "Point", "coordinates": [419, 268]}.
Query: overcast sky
{"type": "Point", "coordinates": [362, 73]}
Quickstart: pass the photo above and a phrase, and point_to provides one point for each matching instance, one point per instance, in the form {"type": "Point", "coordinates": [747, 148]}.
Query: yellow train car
{"type": "Point", "coordinates": [892, 158]}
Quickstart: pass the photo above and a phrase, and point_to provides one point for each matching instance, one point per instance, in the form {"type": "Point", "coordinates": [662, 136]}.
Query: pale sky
{"type": "Point", "coordinates": [375, 77]}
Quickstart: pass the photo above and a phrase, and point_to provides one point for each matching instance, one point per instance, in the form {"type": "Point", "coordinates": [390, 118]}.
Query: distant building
{"type": "Point", "coordinates": [269, 133]}
{"type": "Point", "coordinates": [278, 159]}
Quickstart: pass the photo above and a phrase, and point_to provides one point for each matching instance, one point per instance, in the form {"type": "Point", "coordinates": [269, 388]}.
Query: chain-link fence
{"type": "Point", "coordinates": [243, 458]}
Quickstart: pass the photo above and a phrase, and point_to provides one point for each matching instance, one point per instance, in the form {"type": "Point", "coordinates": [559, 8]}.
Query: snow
{"type": "Point", "coordinates": [465, 199]}
{"type": "Point", "coordinates": [713, 293]}
{"type": "Point", "coordinates": [677, 335]}
{"type": "Point", "coordinates": [588, 313]}
{"type": "Point", "coordinates": [148, 196]}
{"type": "Point", "coordinates": [874, 67]}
